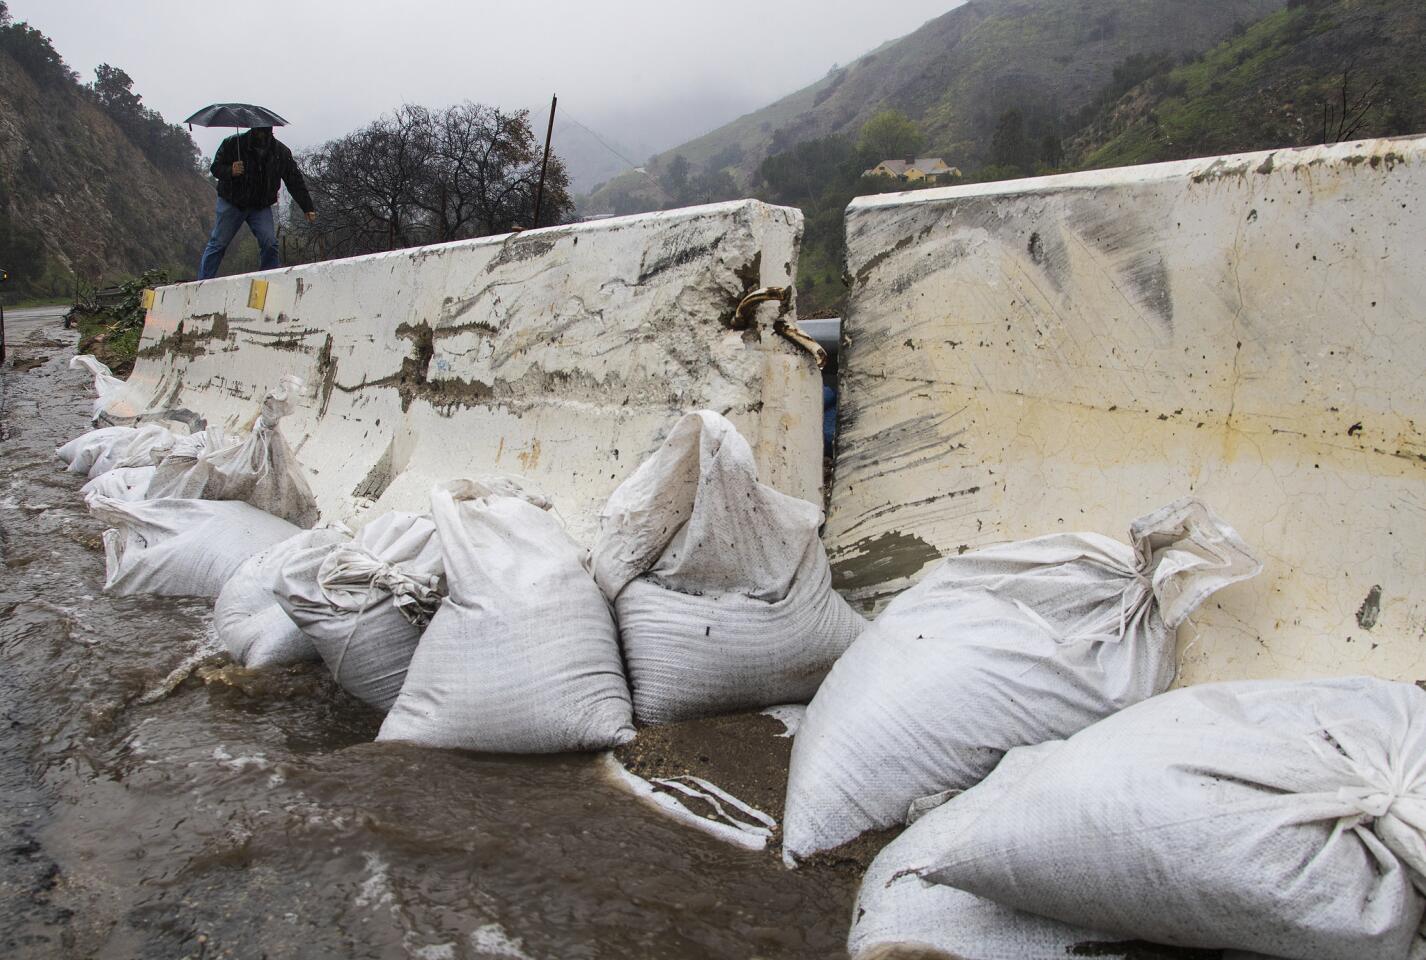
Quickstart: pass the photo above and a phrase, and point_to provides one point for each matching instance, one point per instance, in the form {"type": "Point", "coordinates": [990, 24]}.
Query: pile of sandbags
{"type": "Point", "coordinates": [1007, 646]}
{"type": "Point", "coordinates": [522, 656]}
{"type": "Point", "coordinates": [250, 623]}
{"type": "Point", "coordinates": [1282, 817]}
{"type": "Point", "coordinates": [186, 511]}
{"type": "Point", "coordinates": [720, 584]}
{"type": "Point", "coordinates": [365, 602]}
{"type": "Point", "coordinates": [1010, 706]}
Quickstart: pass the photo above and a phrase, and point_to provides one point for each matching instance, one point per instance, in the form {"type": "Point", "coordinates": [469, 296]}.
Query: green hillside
{"type": "Point", "coordinates": [1315, 72]}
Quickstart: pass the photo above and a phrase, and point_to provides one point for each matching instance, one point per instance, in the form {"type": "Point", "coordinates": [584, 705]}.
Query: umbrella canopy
{"type": "Point", "coordinates": [236, 115]}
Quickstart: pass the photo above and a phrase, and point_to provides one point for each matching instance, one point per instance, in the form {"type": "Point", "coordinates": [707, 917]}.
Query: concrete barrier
{"type": "Point", "coordinates": [560, 354]}
{"type": "Point", "coordinates": [1069, 352]}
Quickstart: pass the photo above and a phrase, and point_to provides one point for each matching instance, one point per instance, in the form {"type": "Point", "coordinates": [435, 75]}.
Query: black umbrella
{"type": "Point", "coordinates": [235, 115]}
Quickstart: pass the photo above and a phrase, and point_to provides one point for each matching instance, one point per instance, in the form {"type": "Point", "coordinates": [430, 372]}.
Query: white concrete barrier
{"type": "Point", "coordinates": [1069, 352]}
{"type": "Point", "coordinates": [562, 355]}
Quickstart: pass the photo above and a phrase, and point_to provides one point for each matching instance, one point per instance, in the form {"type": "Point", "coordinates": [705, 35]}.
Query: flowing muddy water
{"type": "Point", "coordinates": [160, 802]}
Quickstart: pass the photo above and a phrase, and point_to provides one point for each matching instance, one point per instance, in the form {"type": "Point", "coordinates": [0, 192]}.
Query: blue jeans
{"type": "Point", "coordinates": [230, 218]}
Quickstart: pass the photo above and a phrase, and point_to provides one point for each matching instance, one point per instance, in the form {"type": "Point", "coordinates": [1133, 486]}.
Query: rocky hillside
{"type": "Point", "coordinates": [1317, 72]}
{"type": "Point", "coordinates": [958, 73]}
{"type": "Point", "coordinates": [79, 193]}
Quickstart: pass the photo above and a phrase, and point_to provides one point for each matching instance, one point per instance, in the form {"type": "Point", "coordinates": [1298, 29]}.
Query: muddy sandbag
{"type": "Point", "coordinates": [1003, 647]}
{"type": "Point", "coordinates": [896, 907]}
{"type": "Point", "coordinates": [365, 602]}
{"type": "Point", "coordinates": [523, 655]}
{"type": "Point", "coordinates": [1287, 817]}
{"type": "Point", "coordinates": [106, 385]}
{"type": "Point", "coordinates": [122, 483]}
{"type": "Point", "coordinates": [721, 585]}
{"type": "Point", "coordinates": [259, 469]}
{"type": "Point", "coordinates": [250, 623]}
{"type": "Point", "coordinates": [181, 547]}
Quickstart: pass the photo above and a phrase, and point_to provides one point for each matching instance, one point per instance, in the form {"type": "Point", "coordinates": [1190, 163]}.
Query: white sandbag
{"type": "Point", "coordinates": [721, 586]}
{"type": "Point", "coordinates": [364, 603]}
{"type": "Point", "coordinates": [180, 547]}
{"type": "Point", "coordinates": [105, 383]}
{"type": "Point", "coordinates": [260, 468]}
{"type": "Point", "coordinates": [250, 623]}
{"type": "Point", "coordinates": [99, 451]}
{"type": "Point", "coordinates": [896, 907]}
{"type": "Point", "coordinates": [523, 655]}
{"type": "Point", "coordinates": [122, 483]}
{"type": "Point", "coordinates": [81, 453]}
{"type": "Point", "coordinates": [1287, 817]}
{"type": "Point", "coordinates": [1007, 646]}
{"type": "Point", "coordinates": [138, 451]}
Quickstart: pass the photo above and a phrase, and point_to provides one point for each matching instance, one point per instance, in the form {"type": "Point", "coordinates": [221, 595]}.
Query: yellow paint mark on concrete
{"type": "Point", "coordinates": [257, 294]}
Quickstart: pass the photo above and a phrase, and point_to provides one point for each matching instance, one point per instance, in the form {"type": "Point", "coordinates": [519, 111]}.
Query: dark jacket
{"type": "Point", "coordinates": [263, 170]}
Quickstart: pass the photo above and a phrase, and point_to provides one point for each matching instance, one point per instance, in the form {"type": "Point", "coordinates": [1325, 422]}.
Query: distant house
{"type": "Point", "coordinates": [919, 168]}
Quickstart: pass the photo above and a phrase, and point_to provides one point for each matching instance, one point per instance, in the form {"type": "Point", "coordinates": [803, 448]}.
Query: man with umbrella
{"type": "Point", "coordinates": [249, 168]}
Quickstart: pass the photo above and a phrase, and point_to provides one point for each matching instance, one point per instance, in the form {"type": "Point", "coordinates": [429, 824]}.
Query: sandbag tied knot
{"type": "Point", "coordinates": [1381, 785]}
{"type": "Point", "coordinates": [1138, 597]}
{"type": "Point", "coordinates": [352, 578]}
{"type": "Point", "coordinates": [1188, 553]}
{"type": "Point", "coordinates": [280, 402]}
{"type": "Point", "coordinates": [1369, 803]}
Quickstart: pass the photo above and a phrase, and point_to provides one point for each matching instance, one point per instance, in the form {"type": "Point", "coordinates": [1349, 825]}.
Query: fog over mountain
{"type": "Point", "coordinates": [642, 73]}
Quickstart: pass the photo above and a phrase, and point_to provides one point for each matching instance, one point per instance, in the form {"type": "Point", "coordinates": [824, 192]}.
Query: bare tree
{"type": "Point", "coordinates": [428, 176]}
{"type": "Point", "coordinates": [1341, 121]}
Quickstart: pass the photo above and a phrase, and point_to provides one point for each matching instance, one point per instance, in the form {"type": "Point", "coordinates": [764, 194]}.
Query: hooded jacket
{"type": "Point", "coordinates": [263, 169]}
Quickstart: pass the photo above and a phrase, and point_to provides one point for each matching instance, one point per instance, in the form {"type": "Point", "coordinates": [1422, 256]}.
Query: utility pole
{"type": "Point", "coordinates": [540, 190]}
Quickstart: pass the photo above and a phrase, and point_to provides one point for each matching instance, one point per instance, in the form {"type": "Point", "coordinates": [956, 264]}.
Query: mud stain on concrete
{"type": "Point", "coordinates": [179, 343]}
{"type": "Point", "coordinates": [186, 340]}
{"type": "Point", "coordinates": [873, 561]}
{"type": "Point", "coordinates": [1130, 248]}
{"type": "Point", "coordinates": [671, 256]}
{"type": "Point", "coordinates": [530, 459]}
{"type": "Point", "coordinates": [1370, 609]}
{"type": "Point", "coordinates": [326, 375]}
{"type": "Point", "coordinates": [374, 484]}
{"type": "Point", "coordinates": [520, 248]}
{"type": "Point", "coordinates": [280, 340]}
{"type": "Point", "coordinates": [864, 272]}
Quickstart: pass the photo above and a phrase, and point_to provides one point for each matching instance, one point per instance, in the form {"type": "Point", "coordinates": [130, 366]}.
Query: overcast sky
{"type": "Point", "coordinates": [650, 73]}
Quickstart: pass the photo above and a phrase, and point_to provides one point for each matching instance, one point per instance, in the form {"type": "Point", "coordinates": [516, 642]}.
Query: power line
{"type": "Point", "coordinates": [637, 168]}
